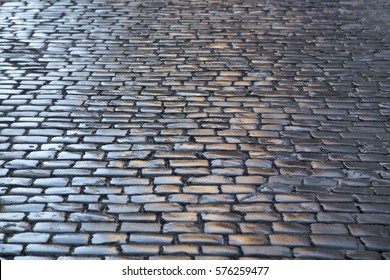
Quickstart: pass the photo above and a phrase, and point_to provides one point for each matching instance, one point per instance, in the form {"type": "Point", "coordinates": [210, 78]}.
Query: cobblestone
{"type": "Point", "coordinates": [93, 250]}
{"type": "Point", "coordinates": [151, 238]}
{"type": "Point", "coordinates": [317, 253]}
{"type": "Point", "coordinates": [29, 237]}
{"type": "Point", "coordinates": [181, 250]}
{"type": "Point", "coordinates": [10, 249]}
{"type": "Point", "coordinates": [335, 241]}
{"type": "Point", "coordinates": [201, 130]}
{"type": "Point", "coordinates": [140, 249]}
{"type": "Point", "coordinates": [376, 243]}
{"type": "Point", "coordinates": [47, 249]}
{"type": "Point", "coordinates": [71, 239]}
{"type": "Point", "coordinates": [266, 251]}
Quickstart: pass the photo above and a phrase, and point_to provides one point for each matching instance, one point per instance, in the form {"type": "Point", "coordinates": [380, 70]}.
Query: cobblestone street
{"type": "Point", "coordinates": [194, 129]}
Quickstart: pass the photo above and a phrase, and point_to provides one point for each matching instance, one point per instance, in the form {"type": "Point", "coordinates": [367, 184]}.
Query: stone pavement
{"type": "Point", "coordinates": [194, 129]}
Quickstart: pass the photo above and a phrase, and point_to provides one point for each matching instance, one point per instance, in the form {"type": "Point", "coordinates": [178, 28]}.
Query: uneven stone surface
{"type": "Point", "coordinates": [194, 129]}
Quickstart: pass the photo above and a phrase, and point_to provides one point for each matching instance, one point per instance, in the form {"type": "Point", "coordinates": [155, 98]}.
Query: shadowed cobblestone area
{"type": "Point", "coordinates": [194, 129]}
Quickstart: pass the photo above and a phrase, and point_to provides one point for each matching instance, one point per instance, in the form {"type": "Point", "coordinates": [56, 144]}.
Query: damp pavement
{"type": "Point", "coordinates": [194, 129]}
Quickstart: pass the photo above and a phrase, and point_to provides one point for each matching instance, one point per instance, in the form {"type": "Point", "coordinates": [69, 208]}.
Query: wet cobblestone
{"type": "Point", "coordinates": [194, 129]}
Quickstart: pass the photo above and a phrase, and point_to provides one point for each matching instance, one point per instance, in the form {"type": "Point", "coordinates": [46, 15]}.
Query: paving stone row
{"type": "Point", "coordinates": [194, 129]}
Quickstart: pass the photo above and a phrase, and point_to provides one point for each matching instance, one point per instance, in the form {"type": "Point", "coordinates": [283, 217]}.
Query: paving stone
{"type": "Point", "coordinates": [299, 218]}
{"type": "Point", "coordinates": [46, 216]}
{"type": "Point", "coordinates": [253, 207]}
{"type": "Point", "coordinates": [30, 139]}
{"type": "Point", "coordinates": [189, 163]}
{"type": "Point", "coordinates": [89, 164]}
{"type": "Point", "coordinates": [108, 238]}
{"type": "Point", "coordinates": [20, 164]}
{"type": "Point", "coordinates": [167, 189]}
{"type": "Point", "coordinates": [211, 257]}
{"type": "Point", "coordinates": [298, 207]}
{"type": "Point", "coordinates": [32, 173]}
{"type": "Point", "coordinates": [258, 163]}
{"type": "Point", "coordinates": [368, 230]}
{"type": "Point", "coordinates": [334, 241]}
{"type": "Point", "coordinates": [139, 227]}
{"type": "Point", "coordinates": [121, 208]}
{"type": "Point", "coordinates": [254, 197]}
{"type": "Point", "coordinates": [51, 182]}
{"type": "Point", "coordinates": [174, 155]}
{"type": "Point", "coordinates": [220, 250]}
{"type": "Point", "coordinates": [181, 249]}
{"type": "Point", "coordinates": [254, 228]}
{"type": "Point", "coordinates": [205, 189]}
{"type": "Point", "coordinates": [125, 155]}
{"type": "Point", "coordinates": [216, 198]}
{"type": "Point", "coordinates": [55, 227]}
{"type": "Point", "coordinates": [167, 180]}
{"type": "Point", "coordinates": [12, 199]}
{"type": "Point", "coordinates": [47, 249]}
{"type": "Point", "coordinates": [163, 207]}
{"type": "Point", "coordinates": [329, 229]}
{"type": "Point", "coordinates": [180, 217]}
{"type": "Point", "coordinates": [46, 199]}
{"type": "Point", "coordinates": [222, 155]}
{"type": "Point", "coordinates": [14, 226]}
{"type": "Point", "coordinates": [335, 218]}
{"type": "Point", "coordinates": [89, 217]}
{"type": "Point", "coordinates": [27, 207]}
{"type": "Point", "coordinates": [210, 179]}
{"type": "Point", "coordinates": [208, 208]}
{"type": "Point", "coordinates": [129, 181]}
{"type": "Point", "coordinates": [144, 249]}
{"type": "Point", "coordinates": [340, 207]}
{"type": "Point", "coordinates": [151, 238]}
{"type": "Point", "coordinates": [363, 255]}
{"type": "Point", "coordinates": [200, 238]}
{"type": "Point", "coordinates": [237, 189]}
{"type": "Point", "coordinates": [42, 155]}
{"type": "Point", "coordinates": [266, 251]}
{"type": "Point", "coordinates": [317, 253]}
{"type": "Point", "coordinates": [280, 227]}
{"type": "Point", "coordinates": [381, 243]}
{"type": "Point", "coordinates": [10, 249]}
{"type": "Point", "coordinates": [146, 163]}
{"type": "Point", "coordinates": [29, 237]}
{"type": "Point", "coordinates": [292, 240]}
{"type": "Point", "coordinates": [185, 227]}
{"type": "Point", "coordinates": [12, 216]}
{"type": "Point", "coordinates": [83, 198]}
{"type": "Point", "coordinates": [220, 227]}
{"type": "Point", "coordinates": [225, 163]}
{"type": "Point", "coordinates": [23, 182]}
{"type": "Point", "coordinates": [102, 191]}
{"type": "Point", "coordinates": [148, 198]}
{"type": "Point", "coordinates": [187, 124]}
{"type": "Point", "coordinates": [379, 219]}
{"type": "Point", "coordinates": [65, 207]}
{"type": "Point", "coordinates": [247, 239]}
{"type": "Point", "coordinates": [295, 198]}
{"type": "Point", "coordinates": [71, 239]}
{"type": "Point", "coordinates": [98, 227]}
{"type": "Point", "coordinates": [374, 208]}
{"type": "Point", "coordinates": [84, 181]}
{"type": "Point", "coordinates": [183, 198]}
{"type": "Point", "coordinates": [93, 250]}
{"type": "Point", "coordinates": [262, 217]}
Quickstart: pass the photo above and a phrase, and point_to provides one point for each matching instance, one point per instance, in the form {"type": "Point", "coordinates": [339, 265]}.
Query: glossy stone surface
{"type": "Point", "coordinates": [194, 129]}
